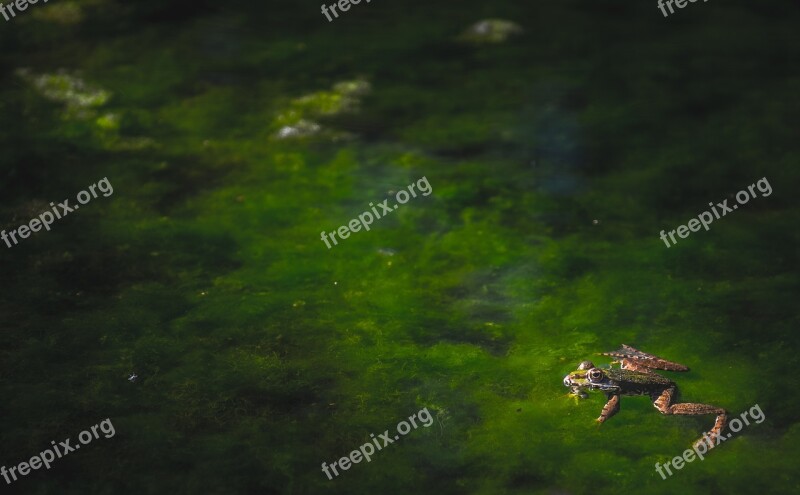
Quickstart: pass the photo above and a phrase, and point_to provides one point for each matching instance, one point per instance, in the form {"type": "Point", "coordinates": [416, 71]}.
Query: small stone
{"type": "Point", "coordinates": [491, 31]}
{"type": "Point", "coordinates": [303, 128]}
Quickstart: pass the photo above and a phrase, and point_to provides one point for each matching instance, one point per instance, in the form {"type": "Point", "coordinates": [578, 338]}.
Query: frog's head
{"type": "Point", "coordinates": [588, 377]}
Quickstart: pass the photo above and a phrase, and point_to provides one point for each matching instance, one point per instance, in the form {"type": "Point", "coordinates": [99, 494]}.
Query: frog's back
{"type": "Point", "coordinates": [637, 382]}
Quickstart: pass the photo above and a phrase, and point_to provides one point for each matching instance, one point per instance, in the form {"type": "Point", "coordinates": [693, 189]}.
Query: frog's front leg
{"type": "Point", "coordinates": [611, 408]}
{"type": "Point", "coordinates": [663, 404]}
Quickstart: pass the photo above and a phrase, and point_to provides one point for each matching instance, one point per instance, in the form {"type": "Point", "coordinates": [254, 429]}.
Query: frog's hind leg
{"type": "Point", "coordinates": [663, 403]}
{"type": "Point", "coordinates": [636, 360]}
{"type": "Point", "coordinates": [611, 408]}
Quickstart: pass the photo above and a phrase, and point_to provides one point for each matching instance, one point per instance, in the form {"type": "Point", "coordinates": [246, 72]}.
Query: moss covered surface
{"type": "Point", "coordinates": [555, 157]}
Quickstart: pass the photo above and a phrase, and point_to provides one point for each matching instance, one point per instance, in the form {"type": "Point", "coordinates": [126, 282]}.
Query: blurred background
{"type": "Point", "coordinates": [559, 139]}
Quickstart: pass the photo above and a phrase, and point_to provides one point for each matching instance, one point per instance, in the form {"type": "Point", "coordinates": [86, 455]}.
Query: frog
{"type": "Point", "coordinates": [635, 376]}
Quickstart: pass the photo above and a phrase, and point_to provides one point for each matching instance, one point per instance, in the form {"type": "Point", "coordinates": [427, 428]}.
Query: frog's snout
{"type": "Point", "coordinates": [574, 388]}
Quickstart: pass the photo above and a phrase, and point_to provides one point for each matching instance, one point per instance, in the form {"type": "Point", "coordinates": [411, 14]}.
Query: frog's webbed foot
{"type": "Point", "coordinates": [714, 436]}
{"type": "Point", "coordinates": [636, 360]}
{"type": "Point", "coordinates": [663, 404]}
{"type": "Point", "coordinates": [710, 438]}
{"type": "Point", "coordinates": [611, 408]}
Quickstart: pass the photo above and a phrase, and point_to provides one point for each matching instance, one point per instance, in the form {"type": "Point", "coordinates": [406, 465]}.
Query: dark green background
{"type": "Point", "coordinates": [261, 353]}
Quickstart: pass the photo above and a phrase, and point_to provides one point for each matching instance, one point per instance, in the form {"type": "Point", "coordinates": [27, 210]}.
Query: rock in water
{"type": "Point", "coordinates": [490, 31]}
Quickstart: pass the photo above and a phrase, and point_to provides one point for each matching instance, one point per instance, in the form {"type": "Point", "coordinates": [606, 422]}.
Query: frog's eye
{"type": "Point", "coordinates": [595, 375]}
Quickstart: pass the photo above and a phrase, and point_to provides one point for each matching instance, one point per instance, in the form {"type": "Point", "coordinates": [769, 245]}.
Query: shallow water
{"type": "Point", "coordinates": [555, 158]}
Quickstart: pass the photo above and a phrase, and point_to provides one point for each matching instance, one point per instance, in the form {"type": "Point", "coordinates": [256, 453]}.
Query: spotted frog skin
{"type": "Point", "coordinates": [635, 377]}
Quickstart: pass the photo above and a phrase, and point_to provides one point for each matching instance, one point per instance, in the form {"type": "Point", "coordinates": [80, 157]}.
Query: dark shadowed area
{"type": "Point", "coordinates": [558, 138]}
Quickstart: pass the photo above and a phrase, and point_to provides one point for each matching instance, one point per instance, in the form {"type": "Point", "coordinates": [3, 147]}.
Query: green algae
{"type": "Point", "coordinates": [295, 121]}
{"type": "Point", "coordinates": [62, 87]}
{"type": "Point", "coordinates": [261, 353]}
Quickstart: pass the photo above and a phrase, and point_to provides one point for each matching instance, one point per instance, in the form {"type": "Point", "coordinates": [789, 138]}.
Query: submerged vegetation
{"type": "Point", "coordinates": [557, 156]}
